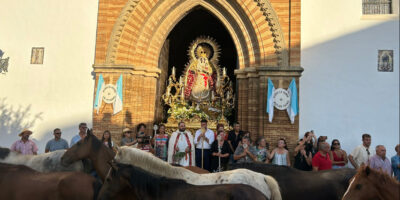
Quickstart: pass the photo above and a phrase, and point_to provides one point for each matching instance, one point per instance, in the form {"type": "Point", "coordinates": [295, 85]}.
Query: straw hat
{"type": "Point", "coordinates": [25, 131]}
{"type": "Point", "coordinates": [126, 130]}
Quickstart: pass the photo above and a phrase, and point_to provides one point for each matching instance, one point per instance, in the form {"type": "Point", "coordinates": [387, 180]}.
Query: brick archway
{"type": "Point", "coordinates": [131, 34]}
{"type": "Point", "coordinates": [139, 32]}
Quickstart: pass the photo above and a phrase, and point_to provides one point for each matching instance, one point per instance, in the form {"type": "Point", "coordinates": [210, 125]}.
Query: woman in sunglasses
{"type": "Point", "coordinates": [337, 155]}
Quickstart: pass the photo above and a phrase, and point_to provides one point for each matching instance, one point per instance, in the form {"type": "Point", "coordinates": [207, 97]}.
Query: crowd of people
{"type": "Point", "coordinates": [214, 151]}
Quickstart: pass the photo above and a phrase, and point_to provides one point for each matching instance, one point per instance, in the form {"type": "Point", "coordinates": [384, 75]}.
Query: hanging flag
{"type": "Point", "coordinates": [99, 93]}
{"type": "Point", "coordinates": [117, 105]}
{"type": "Point", "coordinates": [270, 100]}
{"type": "Point", "coordinates": [293, 109]}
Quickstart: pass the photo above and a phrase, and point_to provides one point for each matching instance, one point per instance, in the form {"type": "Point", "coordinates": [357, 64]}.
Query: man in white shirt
{"type": "Point", "coordinates": [203, 139]}
{"type": "Point", "coordinates": [361, 154]}
{"type": "Point", "coordinates": [181, 147]}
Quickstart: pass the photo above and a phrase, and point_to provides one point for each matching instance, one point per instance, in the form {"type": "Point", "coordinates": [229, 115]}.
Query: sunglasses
{"type": "Point", "coordinates": [336, 143]}
{"type": "Point", "coordinates": [57, 133]}
{"type": "Point", "coordinates": [368, 152]}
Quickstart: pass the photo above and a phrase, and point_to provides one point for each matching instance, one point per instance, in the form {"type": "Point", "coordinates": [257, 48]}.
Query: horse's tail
{"type": "Point", "coordinates": [273, 187]}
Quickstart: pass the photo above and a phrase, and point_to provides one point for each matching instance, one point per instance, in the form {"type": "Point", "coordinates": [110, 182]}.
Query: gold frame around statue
{"type": "Point", "coordinates": [191, 110]}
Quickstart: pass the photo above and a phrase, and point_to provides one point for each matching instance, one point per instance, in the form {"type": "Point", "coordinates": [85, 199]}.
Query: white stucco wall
{"type": "Point", "coordinates": [342, 94]}
{"type": "Point", "coordinates": [62, 88]}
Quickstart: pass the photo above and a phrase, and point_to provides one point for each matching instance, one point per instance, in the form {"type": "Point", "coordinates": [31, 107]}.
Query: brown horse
{"type": "Point", "coordinates": [91, 148]}
{"type": "Point", "coordinates": [372, 184]}
{"type": "Point", "coordinates": [139, 184]}
{"type": "Point", "coordinates": [19, 182]}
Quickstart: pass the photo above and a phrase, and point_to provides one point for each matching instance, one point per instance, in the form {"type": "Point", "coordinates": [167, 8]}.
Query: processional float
{"type": "Point", "coordinates": [204, 91]}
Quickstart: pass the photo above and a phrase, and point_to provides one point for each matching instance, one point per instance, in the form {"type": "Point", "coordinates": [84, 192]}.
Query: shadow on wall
{"type": "Point", "coordinates": [13, 120]}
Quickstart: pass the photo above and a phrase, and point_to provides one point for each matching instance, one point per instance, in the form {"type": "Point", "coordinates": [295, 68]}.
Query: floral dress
{"type": "Point", "coordinates": [261, 154]}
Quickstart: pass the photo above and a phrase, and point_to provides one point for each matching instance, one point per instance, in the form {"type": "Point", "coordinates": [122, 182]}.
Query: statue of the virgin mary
{"type": "Point", "coordinates": [201, 73]}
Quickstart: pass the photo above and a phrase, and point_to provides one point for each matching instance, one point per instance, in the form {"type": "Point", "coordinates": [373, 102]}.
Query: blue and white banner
{"type": "Point", "coordinates": [293, 109]}
{"type": "Point", "coordinates": [117, 105]}
{"type": "Point", "coordinates": [99, 93]}
{"type": "Point", "coordinates": [270, 100]}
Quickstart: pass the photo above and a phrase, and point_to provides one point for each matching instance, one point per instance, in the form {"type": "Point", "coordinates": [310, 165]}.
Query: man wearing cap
{"type": "Point", "coordinates": [57, 143]}
{"type": "Point", "coordinates": [25, 146]}
{"type": "Point", "coordinates": [81, 135]}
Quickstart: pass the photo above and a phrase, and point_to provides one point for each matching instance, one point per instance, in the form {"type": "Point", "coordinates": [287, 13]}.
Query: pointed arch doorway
{"type": "Point", "coordinates": [198, 22]}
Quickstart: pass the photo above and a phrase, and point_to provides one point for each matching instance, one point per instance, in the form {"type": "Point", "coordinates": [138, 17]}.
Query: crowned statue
{"type": "Point", "coordinates": [204, 91]}
{"type": "Point", "coordinates": [199, 80]}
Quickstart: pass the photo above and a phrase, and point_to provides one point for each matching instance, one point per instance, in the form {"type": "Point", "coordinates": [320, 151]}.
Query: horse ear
{"type": "Point", "coordinates": [367, 170]}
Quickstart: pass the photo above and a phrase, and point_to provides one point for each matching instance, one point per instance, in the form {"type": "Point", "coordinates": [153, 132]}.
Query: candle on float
{"type": "Point", "coordinates": [180, 80]}
{"type": "Point", "coordinates": [227, 95]}
{"type": "Point", "coordinates": [173, 71]}
{"type": "Point", "coordinates": [224, 71]}
{"type": "Point", "coordinates": [183, 93]}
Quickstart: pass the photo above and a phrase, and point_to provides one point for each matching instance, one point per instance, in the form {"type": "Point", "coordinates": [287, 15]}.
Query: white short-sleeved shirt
{"type": "Point", "coordinates": [209, 135]}
{"type": "Point", "coordinates": [360, 154]}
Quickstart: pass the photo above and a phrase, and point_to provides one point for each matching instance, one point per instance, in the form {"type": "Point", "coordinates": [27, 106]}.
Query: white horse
{"type": "Point", "coordinates": [146, 161]}
{"type": "Point", "coordinates": [47, 162]}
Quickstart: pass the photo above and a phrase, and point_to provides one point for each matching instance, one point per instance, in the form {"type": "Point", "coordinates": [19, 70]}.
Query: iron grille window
{"type": "Point", "coordinates": [373, 7]}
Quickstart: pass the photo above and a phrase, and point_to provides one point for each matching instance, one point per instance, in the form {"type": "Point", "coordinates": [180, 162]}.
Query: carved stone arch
{"type": "Point", "coordinates": [172, 17]}
{"type": "Point", "coordinates": [118, 29]}
{"type": "Point", "coordinates": [277, 33]}
{"type": "Point", "coordinates": [265, 7]}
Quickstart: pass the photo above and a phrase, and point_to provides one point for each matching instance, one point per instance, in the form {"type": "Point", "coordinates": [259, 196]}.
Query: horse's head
{"type": "Point", "coordinates": [116, 181]}
{"type": "Point", "coordinates": [363, 185]}
{"type": "Point", "coordinates": [85, 148]}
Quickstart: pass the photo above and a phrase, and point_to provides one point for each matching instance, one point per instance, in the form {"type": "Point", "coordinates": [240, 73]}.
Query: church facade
{"type": "Point", "coordinates": [131, 40]}
{"type": "Point", "coordinates": [345, 90]}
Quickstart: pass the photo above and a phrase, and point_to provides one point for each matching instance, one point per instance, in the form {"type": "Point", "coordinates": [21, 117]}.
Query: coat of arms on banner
{"type": "Point", "coordinates": [3, 63]}
{"type": "Point", "coordinates": [109, 94]}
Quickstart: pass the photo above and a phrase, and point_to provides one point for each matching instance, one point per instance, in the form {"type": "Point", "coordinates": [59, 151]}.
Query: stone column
{"type": "Point", "coordinates": [139, 97]}
{"type": "Point", "coordinates": [252, 99]}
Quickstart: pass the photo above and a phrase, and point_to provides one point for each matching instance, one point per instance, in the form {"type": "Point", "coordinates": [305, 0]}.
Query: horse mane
{"type": "Point", "coordinates": [96, 143]}
{"type": "Point", "coordinates": [149, 162]}
{"type": "Point", "coordinates": [147, 182]}
{"type": "Point", "coordinates": [152, 164]}
{"type": "Point", "coordinates": [381, 177]}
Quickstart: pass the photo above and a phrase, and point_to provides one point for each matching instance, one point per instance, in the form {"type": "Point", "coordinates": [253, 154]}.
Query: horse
{"type": "Point", "coordinates": [47, 162]}
{"type": "Point", "coordinates": [139, 184]}
{"type": "Point", "coordinates": [92, 148]}
{"type": "Point", "coordinates": [146, 161]}
{"type": "Point", "coordinates": [19, 182]}
{"type": "Point", "coordinates": [371, 184]}
{"type": "Point", "coordinates": [297, 184]}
